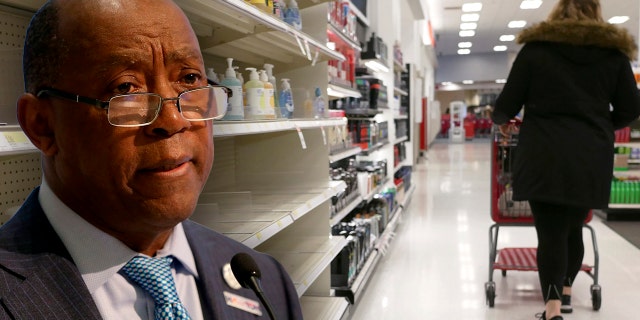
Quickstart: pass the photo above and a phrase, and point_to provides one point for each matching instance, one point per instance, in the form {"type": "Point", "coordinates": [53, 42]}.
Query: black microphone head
{"type": "Point", "coordinates": [244, 268]}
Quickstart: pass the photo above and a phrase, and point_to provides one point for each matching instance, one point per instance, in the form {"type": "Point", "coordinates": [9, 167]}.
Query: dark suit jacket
{"type": "Point", "coordinates": [39, 280]}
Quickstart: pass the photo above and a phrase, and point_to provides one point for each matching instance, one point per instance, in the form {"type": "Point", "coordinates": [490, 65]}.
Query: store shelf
{"type": "Point", "coordinates": [627, 173]}
{"type": "Point", "coordinates": [401, 117]}
{"type": "Point", "coordinates": [346, 210]}
{"type": "Point", "coordinates": [235, 128]}
{"type": "Point", "coordinates": [376, 190]}
{"type": "Point", "coordinates": [374, 148]}
{"type": "Point", "coordinates": [401, 139]}
{"type": "Point", "coordinates": [624, 206]}
{"type": "Point", "coordinates": [305, 258]}
{"type": "Point", "coordinates": [398, 91]}
{"type": "Point", "coordinates": [402, 163]}
{"type": "Point", "coordinates": [234, 28]}
{"type": "Point", "coordinates": [628, 144]}
{"type": "Point", "coordinates": [344, 154]}
{"type": "Point", "coordinates": [337, 91]}
{"type": "Point", "coordinates": [324, 308]}
{"type": "Point", "coordinates": [13, 141]}
{"type": "Point", "coordinates": [344, 38]}
{"type": "Point", "coordinates": [264, 216]}
{"type": "Point", "coordinates": [30, 5]}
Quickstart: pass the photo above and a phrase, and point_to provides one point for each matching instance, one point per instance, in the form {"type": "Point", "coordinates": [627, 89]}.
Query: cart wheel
{"type": "Point", "coordinates": [490, 292]}
{"type": "Point", "coordinates": [596, 297]}
{"type": "Point", "coordinates": [504, 273]}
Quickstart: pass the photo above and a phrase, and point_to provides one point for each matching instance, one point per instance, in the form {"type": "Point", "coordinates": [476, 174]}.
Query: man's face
{"type": "Point", "coordinates": [129, 179]}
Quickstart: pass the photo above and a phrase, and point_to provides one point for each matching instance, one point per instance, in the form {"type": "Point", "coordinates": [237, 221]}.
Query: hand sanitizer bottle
{"type": "Point", "coordinates": [318, 104]}
{"type": "Point", "coordinates": [254, 89]}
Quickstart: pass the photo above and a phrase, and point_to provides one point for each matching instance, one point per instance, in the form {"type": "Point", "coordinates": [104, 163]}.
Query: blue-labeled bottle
{"type": "Point", "coordinates": [318, 105]}
{"type": "Point", "coordinates": [292, 15]}
{"type": "Point", "coordinates": [285, 100]}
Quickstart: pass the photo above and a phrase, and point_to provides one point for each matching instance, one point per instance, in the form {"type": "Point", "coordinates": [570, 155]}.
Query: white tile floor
{"type": "Point", "coordinates": [437, 265]}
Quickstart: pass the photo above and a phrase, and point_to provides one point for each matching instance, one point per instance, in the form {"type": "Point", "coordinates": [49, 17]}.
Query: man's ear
{"type": "Point", "coordinates": [36, 117]}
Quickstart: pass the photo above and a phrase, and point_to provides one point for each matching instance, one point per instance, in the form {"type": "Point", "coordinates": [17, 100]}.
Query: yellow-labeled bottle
{"type": "Point", "coordinates": [268, 102]}
{"type": "Point", "coordinates": [262, 5]}
{"type": "Point", "coordinates": [254, 92]}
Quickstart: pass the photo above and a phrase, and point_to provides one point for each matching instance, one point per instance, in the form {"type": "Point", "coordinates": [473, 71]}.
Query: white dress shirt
{"type": "Point", "coordinates": [100, 256]}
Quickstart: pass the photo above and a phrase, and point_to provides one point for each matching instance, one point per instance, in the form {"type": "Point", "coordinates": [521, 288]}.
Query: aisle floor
{"type": "Point", "coordinates": [437, 264]}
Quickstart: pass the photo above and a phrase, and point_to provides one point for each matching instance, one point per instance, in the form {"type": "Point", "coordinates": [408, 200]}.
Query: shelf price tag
{"type": "Point", "coordinates": [300, 46]}
{"type": "Point", "coordinates": [301, 136]}
{"type": "Point", "coordinates": [315, 58]}
{"type": "Point", "coordinates": [306, 46]}
{"type": "Point", "coordinates": [324, 134]}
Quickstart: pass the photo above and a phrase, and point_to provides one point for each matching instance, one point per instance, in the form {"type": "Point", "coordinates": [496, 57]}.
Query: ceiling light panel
{"type": "Point", "coordinates": [468, 26]}
{"type": "Point", "coordinates": [500, 48]}
{"type": "Point", "coordinates": [464, 51]}
{"type": "Point", "coordinates": [467, 33]}
{"type": "Point", "coordinates": [472, 7]}
{"type": "Point", "coordinates": [517, 24]}
{"type": "Point", "coordinates": [470, 17]}
{"type": "Point", "coordinates": [465, 45]}
{"type": "Point", "coordinates": [618, 19]}
{"type": "Point", "coordinates": [507, 37]}
{"type": "Point", "coordinates": [530, 4]}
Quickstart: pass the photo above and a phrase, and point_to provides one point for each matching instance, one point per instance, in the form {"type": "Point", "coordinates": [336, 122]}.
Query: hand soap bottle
{"type": "Point", "coordinates": [285, 100]}
{"type": "Point", "coordinates": [254, 91]}
{"type": "Point", "coordinates": [235, 110]}
{"type": "Point", "coordinates": [211, 75]}
{"type": "Point", "coordinates": [267, 102]}
{"type": "Point", "coordinates": [318, 105]}
{"type": "Point", "coordinates": [269, 68]}
{"type": "Point", "coordinates": [292, 15]}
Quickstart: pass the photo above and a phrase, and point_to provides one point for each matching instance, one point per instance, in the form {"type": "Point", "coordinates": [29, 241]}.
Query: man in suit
{"type": "Point", "coordinates": [118, 103]}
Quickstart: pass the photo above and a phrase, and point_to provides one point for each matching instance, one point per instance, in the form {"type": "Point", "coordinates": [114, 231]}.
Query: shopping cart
{"type": "Point", "coordinates": [508, 213]}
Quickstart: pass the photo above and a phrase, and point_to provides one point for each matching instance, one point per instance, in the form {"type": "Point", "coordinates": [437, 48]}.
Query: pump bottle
{"type": "Point", "coordinates": [235, 110]}
{"type": "Point", "coordinates": [254, 91]}
{"type": "Point", "coordinates": [272, 79]}
{"type": "Point", "coordinates": [267, 102]}
{"type": "Point", "coordinates": [285, 100]}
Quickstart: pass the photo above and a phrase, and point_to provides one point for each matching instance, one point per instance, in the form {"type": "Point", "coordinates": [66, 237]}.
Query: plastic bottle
{"type": "Point", "coordinates": [285, 100]}
{"type": "Point", "coordinates": [278, 9]}
{"type": "Point", "coordinates": [307, 106]}
{"type": "Point", "coordinates": [261, 4]}
{"type": "Point", "coordinates": [211, 75]}
{"type": "Point", "coordinates": [272, 79]}
{"type": "Point", "coordinates": [253, 93]}
{"type": "Point", "coordinates": [267, 102]}
{"type": "Point", "coordinates": [235, 110]}
{"type": "Point", "coordinates": [292, 15]}
{"type": "Point", "coordinates": [318, 105]}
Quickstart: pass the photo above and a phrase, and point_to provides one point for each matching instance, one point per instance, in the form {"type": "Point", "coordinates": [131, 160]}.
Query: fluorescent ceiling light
{"type": "Point", "coordinates": [472, 7]}
{"type": "Point", "coordinates": [507, 37]}
{"type": "Point", "coordinates": [468, 26]}
{"type": "Point", "coordinates": [467, 81]}
{"type": "Point", "coordinates": [517, 24]}
{"type": "Point", "coordinates": [464, 51]}
{"type": "Point", "coordinates": [464, 45]}
{"type": "Point", "coordinates": [530, 4]}
{"type": "Point", "coordinates": [376, 66]}
{"type": "Point", "coordinates": [467, 33]}
{"type": "Point", "coordinates": [618, 19]}
{"type": "Point", "coordinates": [501, 81]}
{"type": "Point", "coordinates": [470, 17]}
{"type": "Point", "coordinates": [500, 48]}
{"type": "Point", "coordinates": [447, 83]}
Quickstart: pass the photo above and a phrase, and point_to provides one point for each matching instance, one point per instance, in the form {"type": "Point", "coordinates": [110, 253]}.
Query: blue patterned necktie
{"type": "Point", "coordinates": [154, 276]}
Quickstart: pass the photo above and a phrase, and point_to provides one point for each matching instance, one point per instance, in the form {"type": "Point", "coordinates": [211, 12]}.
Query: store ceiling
{"type": "Point", "coordinates": [495, 15]}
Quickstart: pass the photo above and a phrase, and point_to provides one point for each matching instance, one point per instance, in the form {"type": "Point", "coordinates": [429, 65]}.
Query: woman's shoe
{"type": "Point", "coordinates": [542, 316]}
{"type": "Point", "coordinates": [566, 304]}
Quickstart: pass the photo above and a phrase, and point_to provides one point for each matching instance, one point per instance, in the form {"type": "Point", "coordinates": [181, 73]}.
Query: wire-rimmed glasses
{"type": "Point", "coordinates": [142, 108]}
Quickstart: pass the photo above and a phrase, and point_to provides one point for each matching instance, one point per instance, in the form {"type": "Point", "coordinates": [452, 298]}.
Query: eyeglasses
{"type": "Point", "coordinates": [141, 109]}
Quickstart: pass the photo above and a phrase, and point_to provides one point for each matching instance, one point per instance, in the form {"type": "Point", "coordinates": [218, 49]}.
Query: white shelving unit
{"type": "Point", "coordinates": [269, 187]}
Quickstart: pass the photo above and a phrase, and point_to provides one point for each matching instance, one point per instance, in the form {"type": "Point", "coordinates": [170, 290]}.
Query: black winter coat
{"type": "Point", "coordinates": [576, 84]}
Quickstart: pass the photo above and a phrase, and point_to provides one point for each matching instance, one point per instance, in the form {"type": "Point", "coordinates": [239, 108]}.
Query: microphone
{"type": "Point", "coordinates": [248, 274]}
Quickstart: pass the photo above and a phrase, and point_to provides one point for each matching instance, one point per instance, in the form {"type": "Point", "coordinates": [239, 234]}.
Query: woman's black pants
{"type": "Point", "coordinates": [560, 246]}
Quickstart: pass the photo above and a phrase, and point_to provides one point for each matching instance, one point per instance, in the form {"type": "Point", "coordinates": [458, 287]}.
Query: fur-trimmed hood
{"type": "Point", "coordinates": [581, 33]}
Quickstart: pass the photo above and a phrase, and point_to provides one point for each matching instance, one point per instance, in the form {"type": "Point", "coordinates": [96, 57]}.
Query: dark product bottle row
{"type": "Point", "coordinates": [369, 133]}
{"type": "Point", "coordinates": [399, 153]}
{"type": "Point", "coordinates": [361, 179]}
{"type": "Point", "coordinates": [362, 229]}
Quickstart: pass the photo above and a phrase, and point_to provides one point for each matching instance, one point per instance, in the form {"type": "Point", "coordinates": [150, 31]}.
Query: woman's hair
{"type": "Point", "coordinates": [577, 10]}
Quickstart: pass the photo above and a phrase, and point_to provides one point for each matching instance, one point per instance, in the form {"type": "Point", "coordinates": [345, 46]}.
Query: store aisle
{"type": "Point", "coordinates": [437, 264]}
